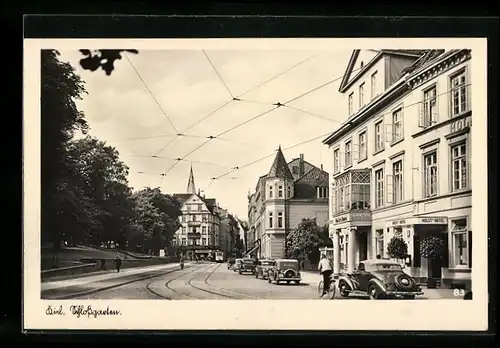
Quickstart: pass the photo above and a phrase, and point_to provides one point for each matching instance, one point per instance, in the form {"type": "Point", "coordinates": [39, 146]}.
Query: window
{"type": "Point", "coordinates": [184, 218]}
{"type": "Point", "coordinates": [204, 229]}
{"type": "Point", "coordinates": [374, 85]}
{"type": "Point", "coordinates": [351, 191]}
{"type": "Point", "coordinates": [362, 145]}
{"type": "Point", "coordinates": [458, 94]}
{"type": "Point", "coordinates": [204, 241]}
{"type": "Point", "coordinates": [295, 170]}
{"type": "Point", "coordinates": [183, 241]}
{"type": "Point", "coordinates": [280, 191]}
{"type": "Point", "coordinates": [289, 192]}
{"type": "Point", "coordinates": [430, 109]}
{"type": "Point", "coordinates": [280, 219]}
{"type": "Point", "coordinates": [379, 243]}
{"type": "Point", "coordinates": [270, 192]}
{"type": "Point", "coordinates": [193, 217]}
{"type": "Point", "coordinates": [397, 125]}
{"type": "Point", "coordinates": [361, 95]}
{"type": "Point", "coordinates": [459, 167]}
{"type": "Point", "coordinates": [336, 161]}
{"type": "Point", "coordinates": [270, 220]}
{"type": "Point", "coordinates": [322, 192]}
{"type": "Point", "coordinates": [183, 230]}
{"type": "Point", "coordinates": [348, 154]}
{"type": "Point", "coordinates": [397, 183]}
{"type": "Point", "coordinates": [350, 106]}
{"type": "Point", "coordinates": [379, 188]}
{"type": "Point", "coordinates": [460, 240]}
{"type": "Point", "coordinates": [430, 174]}
{"type": "Point", "coordinates": [379, 136]}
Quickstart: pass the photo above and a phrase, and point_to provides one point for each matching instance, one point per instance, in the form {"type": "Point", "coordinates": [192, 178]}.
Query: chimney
{"type": "Point", "coordinates": [321, 166]}
{"type": "Point", "coordinates": [301, 164]}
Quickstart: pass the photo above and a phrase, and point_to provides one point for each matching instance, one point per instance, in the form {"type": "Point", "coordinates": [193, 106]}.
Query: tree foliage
{"type": "Point", "coordinates": [104, 59]}
{"type": "Point", "coordinates": [86, 198]}
{"type": "Point", "coordinates": [397, 248]}
{"type": "Point", "coordinates": [303, 242]}
{"type": "Point", "coordinates": [432, 247]}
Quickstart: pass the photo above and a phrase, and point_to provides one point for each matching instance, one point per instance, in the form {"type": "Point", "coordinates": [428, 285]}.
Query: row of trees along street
{"type": "Point", "coordinates": [86, 198]}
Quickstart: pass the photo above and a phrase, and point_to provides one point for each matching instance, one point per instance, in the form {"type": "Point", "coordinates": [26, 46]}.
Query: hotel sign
{"type": "Point", "coordinates": [432, 221]}
{"type": "Point", "coordinates": [458, 125]}
{"type": "Point", "coordinates": [357, 216]}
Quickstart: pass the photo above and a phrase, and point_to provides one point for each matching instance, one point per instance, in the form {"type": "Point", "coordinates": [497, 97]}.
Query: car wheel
{"type": "Point", "coordinates": [277, 282]}
{"type": "Point", "coordinates": [373, 293]}
{"type": "Point", "coordinates": [409, 297]}
{"type": "Point", "coordinates": [297, 282]}
{"type": "Point", "coordinates": [269, 280]}
{"type": "Point", "coordinates": [288, 282]}
{"type": "Point", "coordinates": [344, 289]}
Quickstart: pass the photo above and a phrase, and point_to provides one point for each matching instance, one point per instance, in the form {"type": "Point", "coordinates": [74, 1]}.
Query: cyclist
{"type": "Point", "coordinates": [325, 269]}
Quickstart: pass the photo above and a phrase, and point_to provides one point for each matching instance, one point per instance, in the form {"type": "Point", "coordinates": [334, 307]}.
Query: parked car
{"type": "Point", "coordinates": [379, 279]}
{"type": "Point", "coordinates": [230, 263]}
{"type": "Point", "coordinates": [246, 266]}
{"type": "Point", "coordinates": [262, 268]}
{"type": "Point", "coordinates": [236, 265]}
{"type": "Point", "coordinates": [284, 270]}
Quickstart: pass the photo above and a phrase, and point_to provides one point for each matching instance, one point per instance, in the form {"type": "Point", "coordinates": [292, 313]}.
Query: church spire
{"type": "Point", "coordinates": [191, 188]}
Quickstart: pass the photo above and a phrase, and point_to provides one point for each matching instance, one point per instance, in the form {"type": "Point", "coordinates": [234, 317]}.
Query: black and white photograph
{"type": "Point", "coordinates": [219, 171]}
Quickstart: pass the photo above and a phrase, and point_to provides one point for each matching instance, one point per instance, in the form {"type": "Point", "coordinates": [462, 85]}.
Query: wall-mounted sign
{"type": "Point", "coordinates": [398, 222]}
{"type": "Point", "coordinates": [342, 218]}
{"type": "Point", "coordinates": [461, 124]}
{"type": "Point", "coordinates": [358, 216]}
{"type": "Point", "coordinates": [432, 221]}
{"type": "Point", "coordinates": [194, 235]}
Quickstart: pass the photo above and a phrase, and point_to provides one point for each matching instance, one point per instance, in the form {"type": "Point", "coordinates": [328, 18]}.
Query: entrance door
{"type": "Point", "coordinates": [435, 271]}
{"type": "Point", "coordinates": [363, 244]}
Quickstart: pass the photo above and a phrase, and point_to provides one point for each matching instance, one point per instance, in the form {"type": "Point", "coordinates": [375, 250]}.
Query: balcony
{"type": "Point", "coordinates": [351, 196]}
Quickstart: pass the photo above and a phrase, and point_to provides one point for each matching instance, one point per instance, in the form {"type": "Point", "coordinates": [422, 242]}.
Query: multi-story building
{"type": "Point", "coordinates": [199, 233]}
{"type": "Point", "coordinates": [287, 194]}
{"type": "Point", "coordinates": [401, 161]}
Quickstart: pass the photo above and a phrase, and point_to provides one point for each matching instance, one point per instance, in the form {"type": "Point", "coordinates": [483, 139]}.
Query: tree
{"type": "Point", "coordinates": [104, 59]}
{"type": "Point", "coordinates": [432, 247]}
{"type": "Point", "coordinates": [60, 119]}
{"type": "Point", "coordinates": [397, 248]}
{"type": "Point", "coordinates": [303, 242]}
{"type": "Point", "coordinates": [158, 215]}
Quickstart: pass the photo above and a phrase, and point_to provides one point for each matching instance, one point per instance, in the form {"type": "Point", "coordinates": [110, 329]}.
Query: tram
{"type": "Point", "coordinates": [219, 256]}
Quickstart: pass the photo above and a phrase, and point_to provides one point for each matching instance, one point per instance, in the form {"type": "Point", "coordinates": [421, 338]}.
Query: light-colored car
{"type": "Point", "coordinates": [262, 268]}
{"type": "Point", "coordinates": [236, 265]}
{"type": "Point", "coordinates": [285, 270]}
{"type": "Point", "coordinates": [378, 279]}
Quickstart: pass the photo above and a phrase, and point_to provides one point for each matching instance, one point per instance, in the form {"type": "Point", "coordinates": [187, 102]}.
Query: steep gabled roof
{"type": "Point", "coordinates": [279, 168]}
{"type": "Point", "coordinates": [346, 79]}
{"type": "Point", "coordinates": [182, 197]}
{"type": "Point", "coordinates": [314, 177]}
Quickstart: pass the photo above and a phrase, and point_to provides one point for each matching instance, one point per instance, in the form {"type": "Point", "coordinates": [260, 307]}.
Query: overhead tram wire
{"type": "Point", "coordinates": [150, 92]}
{"type": "Point", "coordinates": [277, 105]}
{"type": "Point", "coordinates": [218, 74]}
{"type": "Point", "coordinates": [238, 97]}
{"type": "Point", "coordinates": [320, 136]}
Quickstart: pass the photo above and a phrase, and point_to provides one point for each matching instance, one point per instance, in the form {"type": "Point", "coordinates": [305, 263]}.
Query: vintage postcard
{"type": "Point", "coordinates": [255, 184]}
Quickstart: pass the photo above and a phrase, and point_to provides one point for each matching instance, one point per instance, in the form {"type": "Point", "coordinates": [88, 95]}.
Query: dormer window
{"type": "Point", "coordinates": [280, 191]}
{"type": "Point", "coordinates": [322, 192]}
{"type": "Point", "coordinates": [270, 192]}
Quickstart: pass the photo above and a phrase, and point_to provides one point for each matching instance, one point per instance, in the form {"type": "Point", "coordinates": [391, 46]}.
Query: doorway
{"type": "Point", "coordinates": [363, 242]}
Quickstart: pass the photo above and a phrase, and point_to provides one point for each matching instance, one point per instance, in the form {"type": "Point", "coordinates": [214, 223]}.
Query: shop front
{"type": "Point", "coordinates": [432, 241]}
{"type": "Point", "coordinates": [350, 233]}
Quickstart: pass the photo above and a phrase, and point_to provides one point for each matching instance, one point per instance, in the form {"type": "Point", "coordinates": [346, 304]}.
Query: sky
{"type": "Point", "coordinates": [189, 85]}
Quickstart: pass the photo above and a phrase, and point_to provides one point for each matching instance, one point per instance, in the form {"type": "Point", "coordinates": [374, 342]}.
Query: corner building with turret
{"type": "Point", "coordinates": [284, 196]}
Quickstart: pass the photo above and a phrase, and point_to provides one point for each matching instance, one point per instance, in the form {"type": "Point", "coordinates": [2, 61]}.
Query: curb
{"type": "Point", "coordinates": [93, 291]}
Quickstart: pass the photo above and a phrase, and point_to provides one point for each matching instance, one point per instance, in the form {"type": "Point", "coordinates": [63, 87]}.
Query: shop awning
{"type": "Point", "coordinates": [252, 250]}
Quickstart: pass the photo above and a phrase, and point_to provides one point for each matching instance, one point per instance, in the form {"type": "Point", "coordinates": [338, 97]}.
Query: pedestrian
{"type": "Point", "coordinates": [182, 261]}
{"type": "Point", "coordinates": [118, 264]}
{"type": "Point", "coordinates": [325, 269]}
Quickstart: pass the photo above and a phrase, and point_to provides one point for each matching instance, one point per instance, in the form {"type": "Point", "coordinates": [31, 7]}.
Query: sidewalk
{"type": "Point", "coordinates": [50, 285]}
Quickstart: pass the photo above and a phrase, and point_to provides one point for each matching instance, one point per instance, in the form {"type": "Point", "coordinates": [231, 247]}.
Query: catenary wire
{"type": "Point", "coordinates": [218, 74]}
{"type": "Point", "coordinates": [150, 92]}
{"type": "Point", "coordinates": [236, 99]}
{"type": "Point", "coordinates": [321, 136]}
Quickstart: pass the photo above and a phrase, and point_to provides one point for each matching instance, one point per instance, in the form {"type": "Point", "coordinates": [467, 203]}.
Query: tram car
{"type": "Point", "coordinates": [219, 256]}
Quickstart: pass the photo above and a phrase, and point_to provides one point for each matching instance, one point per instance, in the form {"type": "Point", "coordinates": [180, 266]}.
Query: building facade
{"type": "Point", "coordinates": [283, 197]}
{"type": "Point", "coordinates": [199, 234]}
{"type": "Point", "coordinates": [401, 162]}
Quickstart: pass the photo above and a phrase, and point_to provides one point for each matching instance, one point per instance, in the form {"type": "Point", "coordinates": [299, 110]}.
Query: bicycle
{"type": "Point", "coordinates": [331, 291]}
